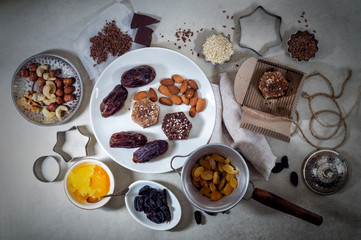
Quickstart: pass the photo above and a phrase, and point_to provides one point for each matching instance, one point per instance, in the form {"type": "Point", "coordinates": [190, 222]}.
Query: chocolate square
{"type": "Point", "coordinates": [144, 36]}
{"type": "Point", "coordinates": [140, 20]}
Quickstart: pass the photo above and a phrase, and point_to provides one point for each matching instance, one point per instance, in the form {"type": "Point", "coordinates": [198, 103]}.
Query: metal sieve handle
{"type": "Point", "coordinates": [180, 156]}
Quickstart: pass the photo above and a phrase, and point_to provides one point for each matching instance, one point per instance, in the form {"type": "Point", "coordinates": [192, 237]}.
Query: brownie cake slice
{"type": "Point", "coordinates": [176, 126]}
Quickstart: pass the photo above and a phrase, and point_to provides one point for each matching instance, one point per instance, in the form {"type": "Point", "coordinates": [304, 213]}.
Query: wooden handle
{"type": "Point", "coordinates": [276, 202]}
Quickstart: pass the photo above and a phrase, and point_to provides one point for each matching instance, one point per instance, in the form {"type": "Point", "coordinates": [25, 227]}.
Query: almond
{"type": "Point", "coordinates": [193, 84]}
{"type": "Point", "coordinates": [167, 81]}
{"type": "Point", "coordinates": [192, 112]}
{"type": "Point", "coordinates": [174, 90]}
{"type": "Point", "coordinates": [189, 93]}
{"type": "Point", "coordinates": [164, 90]}
{"type": "Point", "coordinates": [175, 99]}
{"type": "Point", "coordinates": [193, 101]}
{"type": "Point", "coordinates": [184, 87]}
{"type": "Point", "coordinates": [195, 94]}
{"type": "Point", "coordinates": [185, 99]}
{"type": "Point", "coordinates": [201, 104]}
{"type": "Point", "coordinates": [153, 95]}
{"type": "Point", "coordinates": [177, 78]}
{"type": "Point", "coordinates": [140, 95]}
{"type": "Point", "coordinates": [165, 101]}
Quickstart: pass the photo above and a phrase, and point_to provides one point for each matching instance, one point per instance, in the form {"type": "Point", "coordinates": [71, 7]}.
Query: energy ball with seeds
{"type": "Point", "coordinates": [273, 85]}
{"type": "Point", "coordinates": [145, 112]}
{"type": "Point", "coordinates": [176, 126]}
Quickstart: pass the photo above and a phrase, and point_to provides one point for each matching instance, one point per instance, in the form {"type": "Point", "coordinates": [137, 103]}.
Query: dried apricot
{"type": "Point", "coordinates": [233, 182]}
{"type": "Point", "coordinates": [228, 189]}
{"type": "Point", "coordinates": [215, 196]}
{"type": "Point", "coordinates": [198, 171]}
{"type": "Point", "coordinates": [218, 157]}
{"type": "Point", "coordinates": [214, 176]}
{"type": "Point", "coordinates": [205, 164]}
{"type": "Point", "coordinates": [207, 175]}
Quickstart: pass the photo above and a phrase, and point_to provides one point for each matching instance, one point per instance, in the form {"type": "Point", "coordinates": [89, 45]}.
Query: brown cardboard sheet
{"type": "Point", "coordinates": [271, 117]}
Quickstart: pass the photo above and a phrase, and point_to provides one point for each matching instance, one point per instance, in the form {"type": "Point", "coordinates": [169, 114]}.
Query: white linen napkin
{"type": "Point", "coordinates": [253, 146]}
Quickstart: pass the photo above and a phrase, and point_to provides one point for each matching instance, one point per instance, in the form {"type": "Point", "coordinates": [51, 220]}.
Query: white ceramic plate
{"type": "Point", "coordinates": [166, 63]}
{"type": "Point", "coordinates": [173, 204]}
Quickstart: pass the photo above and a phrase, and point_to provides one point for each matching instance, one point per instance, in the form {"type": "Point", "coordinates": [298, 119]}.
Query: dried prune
{"type": "Point", "coordinates": [277, 168]}
{"type": "Point", "coordinates": [144, 190]}
{"type": "Point", "coordinates": [294, 178]}
{"type": "Point", "coordinates": [138, 203]}
{"type": "Point", "coordinates": [127, 140]}
{"type": "Point", "coordinates": [151, 202]}
{"type": "Point", "coordinates": [166, 212]}
{"type": "Point", "coordinates": [150, 151]}
{"type": "Point", "coordinates": [114, 101]}
{"type": "Point", "coordinates": [198, 217]}
{"type": "Point", "coordinates": [284, 161]}
{"type": "Point", "coordinates": [138, 76]}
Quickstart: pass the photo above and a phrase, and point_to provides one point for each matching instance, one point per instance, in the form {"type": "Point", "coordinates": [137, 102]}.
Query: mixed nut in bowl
{"type": "Point", "coordinates": [88, 178]}
{"type": "Point", "coordinates": [212, 193]}
{"type": "Point", "coordinates": [47, 89]}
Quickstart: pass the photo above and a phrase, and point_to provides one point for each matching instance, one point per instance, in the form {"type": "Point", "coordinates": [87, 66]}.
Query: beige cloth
{"type": "Point", "coordinates": [253, 146]}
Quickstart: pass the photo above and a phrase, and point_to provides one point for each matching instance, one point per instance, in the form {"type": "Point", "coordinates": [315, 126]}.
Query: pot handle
{"type": "Point", "coordinates": [271, 200]}
{"type": "Point", "coordinates": [181, 156]}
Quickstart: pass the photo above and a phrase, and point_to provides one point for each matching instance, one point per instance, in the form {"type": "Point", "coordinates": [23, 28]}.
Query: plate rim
{"type": "Point", "coordinates": [149, 49]}
{"type": "Point", "coordinates": [81, 89]}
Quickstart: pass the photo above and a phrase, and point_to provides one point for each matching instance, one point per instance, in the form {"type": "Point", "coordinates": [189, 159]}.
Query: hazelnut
{"type": "Point", "coordinates": [68, 97]}
{"type": "Point", "coordinates": [41, 80]}
{"type": "Point", "coordinates": [68, 81]}
{"type": "Point", "coordinates": [58, 83]}
{"type": "Point", "coordinates": [52, 106]}
{"type": "Point", "coordinates": [59, 92]}
{"type": "Point", "coordinates": [33, 77]}
{"type": "Point", "coordinates": [33, 67]}
{"type": "Point", "coordinates": [24, 73]}
{"type": "Point", "coordinates": [53, 73]}
{"type": "Point", "coordinates": [41, 87]}
{"type": "Point", "coordinates": [59, 100]}
{"type": "Point", "coordinates": [69, 89]}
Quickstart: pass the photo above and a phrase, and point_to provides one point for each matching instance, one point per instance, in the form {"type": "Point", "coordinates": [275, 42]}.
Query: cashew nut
{"type": "Point", "coordinates": [41, 69]}
{"type": "Point", "coordinates": [59, 110]}
{"type": "Point", "coordinates": [37, 97]}
{"type": "Point", "coordinates": [53, 86]}
{"type": "Point", "coordinates": [47, 113]}
{"type": "Point", "coordinates": [46, 76]}
{"type": "Point", "coordinates": [49, 101]}
{"type": "Point", "coordinates": [46, 92]}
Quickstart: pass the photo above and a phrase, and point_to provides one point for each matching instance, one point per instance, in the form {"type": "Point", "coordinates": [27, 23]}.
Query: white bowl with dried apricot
{"type": "Point", "coordinates": [215, 178]}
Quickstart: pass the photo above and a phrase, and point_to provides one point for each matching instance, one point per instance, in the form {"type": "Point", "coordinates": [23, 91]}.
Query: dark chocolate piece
{"type": "Point", "coordinates": [140, 20]}
{"type": "Point", "coordinates": [144, 36]}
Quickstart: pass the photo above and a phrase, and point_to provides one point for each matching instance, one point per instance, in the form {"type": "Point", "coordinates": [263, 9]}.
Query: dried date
{"type": "Point", "coordinates": [114, 101]}
{"type": "Point", "coordinates": [138, 76]}
{"type": "Point", "coordinates": [127, 140]}
{"type": "Point", "coordinates": [150, 151]}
